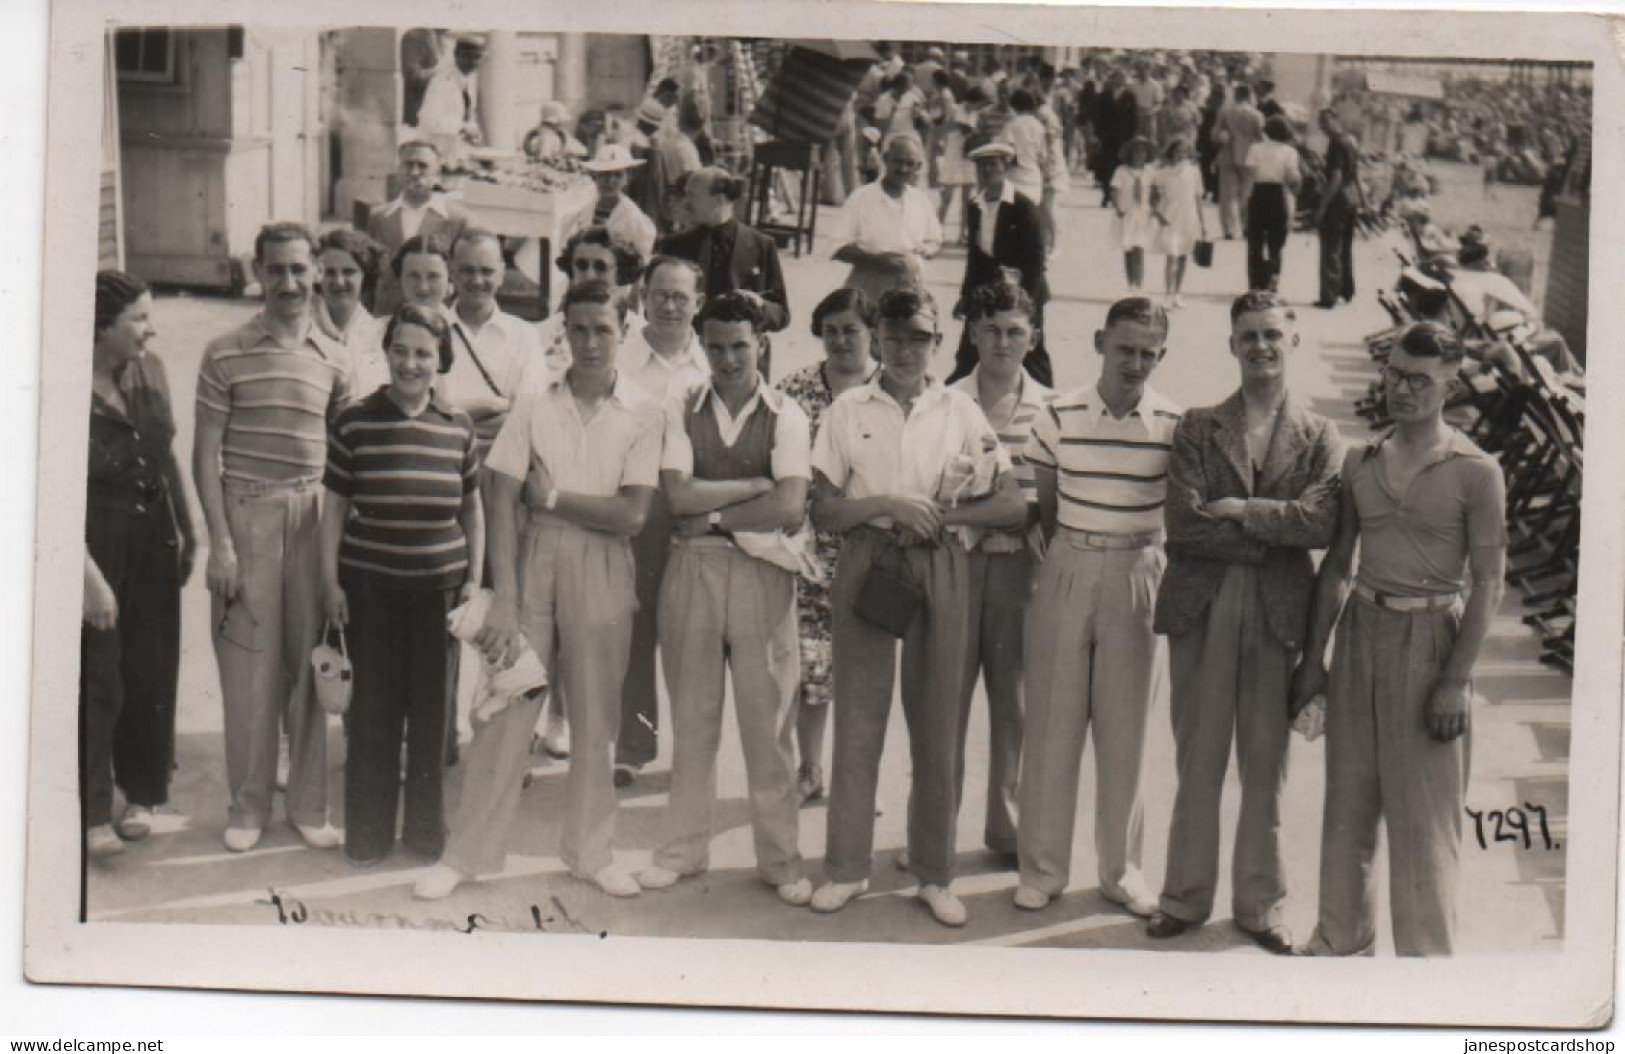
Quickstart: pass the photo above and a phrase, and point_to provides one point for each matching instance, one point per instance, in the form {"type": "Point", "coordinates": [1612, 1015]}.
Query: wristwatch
{"type": "Point", "coordinates": [713, 522]}
{"type": "Point", "coordinates": [551, 502]}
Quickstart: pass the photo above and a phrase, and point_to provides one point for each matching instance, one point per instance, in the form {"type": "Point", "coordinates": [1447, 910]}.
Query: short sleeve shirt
{"type": "Point", "coordinates": [619, 446]}
{"type": "Point", "coordinates": [1112, 474]}
{"type": "Point", "coordinates": [792, 434]}
{"type": "Point", "coordinates": [1417, 544]}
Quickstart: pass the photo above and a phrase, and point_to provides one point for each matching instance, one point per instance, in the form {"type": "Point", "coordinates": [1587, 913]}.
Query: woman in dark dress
{"type": "Point", "coordinates": [139, 548]}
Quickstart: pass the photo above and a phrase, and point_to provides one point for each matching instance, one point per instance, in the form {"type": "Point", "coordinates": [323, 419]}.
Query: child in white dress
{"type": "Point", "coordinates": [1176, 202]}
{"type": "Point", "coordinates": [1131, 199]}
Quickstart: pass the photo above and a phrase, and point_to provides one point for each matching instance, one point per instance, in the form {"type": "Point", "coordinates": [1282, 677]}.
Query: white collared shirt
{"type": "Point", "coordinates": [412, 216]}
{"type": "Point", "coordinates": [550, 334]}
{"type": "Point", "coordinates": [505, 345]}
{"type": "Point", "coordinates": [876, 222]}
{"type": "Point", "coordinates": [618, 447]}
{"type": "Point", "coordinates": [990, 216]}
{"type": "Point", "coordinates": [1112, 474]}
{"type": "Point", "coordinates": [792, 433]}
{"type": "Point", "coordinates": [363, 338]}
{"type": "Point", "coordinates": [868, 447]}
{"type": "Point", "coordinates": [657, 375]}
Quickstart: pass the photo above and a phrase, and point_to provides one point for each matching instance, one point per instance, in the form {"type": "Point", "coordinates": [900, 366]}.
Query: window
{"type": "Point", "coordinates": [146, 56]}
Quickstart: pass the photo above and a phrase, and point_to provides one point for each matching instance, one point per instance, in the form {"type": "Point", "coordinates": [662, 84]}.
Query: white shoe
{"type": "Point", "coordinates": [797, 894]}
{"type": "Point", "coordinates": [438, 882]}
{"type": "Point", "coordinates": [1029, 899]}
{"type": "Point", "coordinates": [242, 839]}
{"type": "Point", "coordinates": [556, 739]}
{"type": "Point", "coordinates": [103, 841]}
{"type": "Point", "coordinates": [1134, 898]}
{"type": "Point", "coordinates": [616, 883]}
{"type": "Point", "coordinates": [947, 908]}
{"type": "Point", "coordinates": [658, 878]}
{"type": "Point", "coordinates": [833, 896]}
{"type": "Point", "coordinates": [324, 837]}
{"type": "Point", "coordinates": [136, 823]}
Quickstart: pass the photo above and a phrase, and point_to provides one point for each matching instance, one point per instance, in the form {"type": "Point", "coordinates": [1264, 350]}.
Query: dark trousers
{"type": "Point", "coordinates": [1036, 363]}
{"type": "Point", "coordinates": [405, 667]}
{"type": "Point", "coordinates": [638, 741]}
{"type": "Point", "coordinates": [128, 673]}
{"type": "Point", "coordinates": [1337, 252]}
{"type": "Point", "coordinates": [1267, 225]}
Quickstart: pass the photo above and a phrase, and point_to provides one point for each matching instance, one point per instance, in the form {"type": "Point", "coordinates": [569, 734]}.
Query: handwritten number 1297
{"type": "Point", "coordinates": [1512, 825]}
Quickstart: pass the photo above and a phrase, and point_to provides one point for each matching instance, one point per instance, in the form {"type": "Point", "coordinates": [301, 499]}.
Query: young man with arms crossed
{"type": "Point", "coordinates": [736, 460]}
{"type": "Point", "coordinates": [1100, 457]}
{"type": "Point", "coordinates": [1252, 488]}
{"type": "Point", "coordinates": [265, 395]}
{"type": "Point", "coordinates": [1426, 510]}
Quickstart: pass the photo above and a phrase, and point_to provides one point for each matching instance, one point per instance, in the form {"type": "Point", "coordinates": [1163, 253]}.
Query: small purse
{"type": "Point", "coordinates": [1202, 251]}
{"type": "Point", "coordinates": [889, 598]}
{"type": "Point", "coordinates": [334, 678]}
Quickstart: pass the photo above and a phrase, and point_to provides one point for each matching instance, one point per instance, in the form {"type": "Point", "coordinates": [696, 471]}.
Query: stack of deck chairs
{"type": "Point", "coordinates": [1534, 420]}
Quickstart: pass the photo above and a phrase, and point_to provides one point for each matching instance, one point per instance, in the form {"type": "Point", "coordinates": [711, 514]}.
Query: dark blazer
{"type": "Point", "coordinates": [384, 227]}
{"type": "Point", "coordinates": [1016, 243]}
{"type": "Point", "coordinates": [753, 266]}
{"type": "Point", "coordinates": [1293, 509]}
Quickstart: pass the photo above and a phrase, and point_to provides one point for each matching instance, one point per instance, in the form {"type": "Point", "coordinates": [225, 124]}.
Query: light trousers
{"type": "Point", "coordinates": [1230, 682]}
{"type": "Point", "coordinates": [933, 666]}
{"type": "Point", "coordinates": [1092, 660]}
{"type": "Point", "coordinates": [262, 644]}
{"type": "Point", "coordinates": [723, 611]}
{"type": "Point", "coordinates": [1230, 203]}
{"type": "Point", "coordinates": [576, 599]}
{"type": "Point", "coordinates": [1383, 766]}
{"type": "Point", "coordinates": [1000, 586]}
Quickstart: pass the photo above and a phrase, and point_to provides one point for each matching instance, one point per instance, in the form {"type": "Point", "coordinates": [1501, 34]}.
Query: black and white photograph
{"type": "Point", "coordinates": [1054, 512]}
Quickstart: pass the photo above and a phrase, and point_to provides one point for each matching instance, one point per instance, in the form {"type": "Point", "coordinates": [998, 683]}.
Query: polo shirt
{"type": "Point", "coordinates": [406, 479]}
{"type": "Point", "coordinates": [1417, 543]}
{"type": "Point", "coordinates": [1111, 475]}
{"type": "Point", "coordinates": [618, 447]}
{"type": "Point", "coordinates": [792, 433]}
{"type": "Point", "coordinates": [660, 377]}
{"type": "Point", "coordinates": [876, 222]}
{"type": "Point", "coordinates": [272, 401]}
{"type": "Point", "coordinates": [867, 446]}
{"type": "Point", "coordinates": [555, 343]}
{"type": "Point", "coordinates": [1030, 401]}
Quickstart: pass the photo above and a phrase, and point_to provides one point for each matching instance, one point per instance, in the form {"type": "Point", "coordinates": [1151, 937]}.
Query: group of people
{"type": "Point", "coordinates": [619, 493]}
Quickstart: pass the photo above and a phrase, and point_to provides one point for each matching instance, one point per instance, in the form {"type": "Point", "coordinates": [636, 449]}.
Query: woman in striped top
{"type": "Point", "coordinates": [406, 463]}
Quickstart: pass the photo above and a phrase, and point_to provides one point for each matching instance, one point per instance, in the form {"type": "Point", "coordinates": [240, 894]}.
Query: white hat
{"type": "Point", "coordinates": [994, 149]}
{"type": "Point", "coordinates": [612, 157]}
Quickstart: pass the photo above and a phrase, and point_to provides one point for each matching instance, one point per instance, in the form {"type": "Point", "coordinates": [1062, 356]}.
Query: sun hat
{"type": "Point", "coordinates": [612, 157]}
{"type": "Point", "coordinates": [651, 112]}
{"type": "Point", "coordinates": [993, 149]}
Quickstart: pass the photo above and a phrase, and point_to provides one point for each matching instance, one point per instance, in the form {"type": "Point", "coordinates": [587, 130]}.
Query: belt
{"type": "Point", "coordinates": [1398, 603]}
{"type": "Point", "coordinates": [238, 485]}
{"type": "Point", "coordinates": [1101, 540]}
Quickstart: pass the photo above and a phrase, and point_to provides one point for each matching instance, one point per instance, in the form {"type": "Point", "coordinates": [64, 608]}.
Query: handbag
{"type": "Point", "coordinates": [334, 678]}
{"type": "Point", "coordinates": [889, 598]}
{"type": "Point", "coordinates": [1202, 251]}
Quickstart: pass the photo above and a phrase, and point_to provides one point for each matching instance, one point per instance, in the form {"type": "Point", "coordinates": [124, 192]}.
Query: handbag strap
{"type": "Point", "coordinates": [457, 328]}
{"type": "Point", "coordinates": [327, 633]}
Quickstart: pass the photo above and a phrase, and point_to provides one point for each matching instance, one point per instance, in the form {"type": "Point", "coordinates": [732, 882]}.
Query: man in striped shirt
{"type": "Point", "coordinates": [264, 397]}
{"type": "Point", "coordinates": [1100, 457]}
{"type": "Point", "coordinates": [1001, 320]}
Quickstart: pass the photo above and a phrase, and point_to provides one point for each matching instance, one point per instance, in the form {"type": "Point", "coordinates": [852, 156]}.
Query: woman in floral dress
{"type": "Point", "coordinates": [845, 321]}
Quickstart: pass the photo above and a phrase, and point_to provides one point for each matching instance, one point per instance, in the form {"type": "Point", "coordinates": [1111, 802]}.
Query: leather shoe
{"type": "Point", "coordinates": [625, 774]}
{"type": "Point", "coordinates": [1277, 939]}
{"type": "Point", "coordinates": [1164, 925]}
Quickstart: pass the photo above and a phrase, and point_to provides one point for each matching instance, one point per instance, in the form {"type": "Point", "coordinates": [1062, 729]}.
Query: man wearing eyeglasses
{"type": "Point", "coordinates": [1426, 510]}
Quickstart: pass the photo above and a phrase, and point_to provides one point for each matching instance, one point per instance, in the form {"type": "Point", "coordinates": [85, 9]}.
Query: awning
{"type": "Point", "coordinates": [805, 100]}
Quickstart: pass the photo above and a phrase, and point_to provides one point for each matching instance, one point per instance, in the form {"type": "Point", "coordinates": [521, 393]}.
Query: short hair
{"type": "Point", "coordinates": [628, 261]}
{"type": "Point", "coordinates": [368, 254]}
{"type": "Point", "coordinates": [666, 85]}
{"type": "Point", "coordinates": [904, 302]}
{"type": "Point", "coordinates": [720, 181]}
{"type": "Point", "coordinates": [592, 292]}
{"type": "Point", "coordinates": [736, 306]}
{"type": "Point", "coordinates": [660, 260]}
{"type": "Point", "coordinates": [1023, 101]}
{"type": "Point", "coordinates": [115, 292]}
{"type": "Point", "coordinates": [990, 299]}
{"type": "Point", "coordinates": [422, 244]}
{"type": "Point", "coordinates": [285, 231]}
{"type": "Point", "coordinates": [845, 298]}
{"type": "Point", "coordinates": [1138, 309]}
{"type": "Point", "coordinates": [418, 144]}
{"type": "Point", "coordinates": [1243, 93]}
{"type": "Point", "coordinates": [476, 236]}
{"type": "Point", "coordinates": [1265, 87]}
{"type": "Point", "coordinates": [433, 321]}
{"type": "Point", "coordinates": [1279, 129]}
{"type": "Point", "coordinates": [1256, 300]}
{"type": "Point", "coordinates": [1430, 340]}
{"type": "Point", "coordinates": [1173, 144]}
{"type": "Point", "coordinates": [940, 78]}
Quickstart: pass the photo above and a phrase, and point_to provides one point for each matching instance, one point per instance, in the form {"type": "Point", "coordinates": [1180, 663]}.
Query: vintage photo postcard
{"type": "Point", "coordinates": [1039, 511]}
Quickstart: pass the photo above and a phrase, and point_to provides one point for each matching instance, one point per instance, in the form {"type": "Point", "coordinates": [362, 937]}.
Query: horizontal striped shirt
{"type": "Point", "coordinates": [273, 401]}
{"type": "Point", "coordinates": [406, 479]}
{"type": "Point", "coordinates": [1111, 475]}
{"type": "Point", "coordinates": [1030, 402]}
